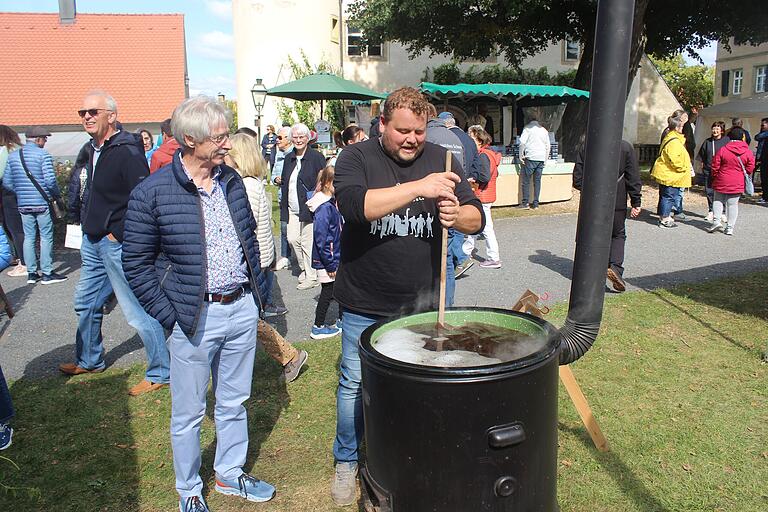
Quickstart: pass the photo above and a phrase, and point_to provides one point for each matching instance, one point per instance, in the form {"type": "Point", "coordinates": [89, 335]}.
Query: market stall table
{"type": "Point", "coordinates": [556, 182]}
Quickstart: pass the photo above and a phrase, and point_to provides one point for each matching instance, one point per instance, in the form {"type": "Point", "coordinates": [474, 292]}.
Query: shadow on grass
{"type": "Point", "coordinates": [613, 466]}
{"type": "Point", "coordinates": [47, 364]}
{"type": "Point", "coordinates": [728, 296]}
{"type": "Point", "coordinates": [74, 446]}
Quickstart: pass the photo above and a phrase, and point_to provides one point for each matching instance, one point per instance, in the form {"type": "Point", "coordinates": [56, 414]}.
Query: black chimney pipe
{"type": "Point", "coordinates": [613, 37]}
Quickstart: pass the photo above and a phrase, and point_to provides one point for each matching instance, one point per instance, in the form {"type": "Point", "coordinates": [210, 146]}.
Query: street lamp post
{"type": "Point", "coordinates": [259, 94]}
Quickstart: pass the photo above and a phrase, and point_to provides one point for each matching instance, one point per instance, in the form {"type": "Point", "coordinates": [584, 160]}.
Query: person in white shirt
{"type": "Point", "coordinates": [534, 151]}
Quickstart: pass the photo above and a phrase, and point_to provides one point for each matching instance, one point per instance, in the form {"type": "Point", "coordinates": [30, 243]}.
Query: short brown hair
{"type": "Point", "coordinates": [478, 133]}
{"type": "Point", "coordinates": [405, 97]}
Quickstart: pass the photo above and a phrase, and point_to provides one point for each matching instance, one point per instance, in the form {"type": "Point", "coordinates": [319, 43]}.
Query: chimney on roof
{"type": "Point", "coordinates": [67, 12]}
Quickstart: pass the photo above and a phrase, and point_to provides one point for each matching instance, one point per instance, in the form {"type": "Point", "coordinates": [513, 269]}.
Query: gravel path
{"type": "Point", "coordinates": [536, 252]}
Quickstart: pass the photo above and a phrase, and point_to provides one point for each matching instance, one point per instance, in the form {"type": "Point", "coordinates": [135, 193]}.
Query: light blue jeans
{"type": "Point", "coordinates": [101, 273]}
{"type": "Point", "coordinates": [349, 403]}
{"type": "Point", "coordinates": [223, 347]}
{"type": "Point", "coordinates": [31, 223]}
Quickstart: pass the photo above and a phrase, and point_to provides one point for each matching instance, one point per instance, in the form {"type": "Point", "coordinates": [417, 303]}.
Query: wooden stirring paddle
{"type": "Point", "coordinates": [443, 260]}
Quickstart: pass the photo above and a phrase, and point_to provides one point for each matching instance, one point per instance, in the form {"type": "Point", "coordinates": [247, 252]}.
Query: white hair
{"type": "Point", "coordinates": [195, 117]}
{"type": "Point", "coordinates": [301, 128]}
{"type": "Point", "coordinates": [109, 100]}
{"type": "Point", "coordinates": [284, 129]}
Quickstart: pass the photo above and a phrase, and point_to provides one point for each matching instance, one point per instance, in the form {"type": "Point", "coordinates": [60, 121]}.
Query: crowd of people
{"type": "Point", "coordinates": [179, 233]}
{"type": "Point", "coordinates": [727, 165]}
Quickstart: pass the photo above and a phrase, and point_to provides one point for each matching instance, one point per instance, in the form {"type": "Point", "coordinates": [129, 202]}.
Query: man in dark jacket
{"type": "Point", "coordinates": [761, 157]}
{"type": "Point", "coordinates": [192, 259]}
{"type": "Point", "coordinates": [628, 184]}
{"type": "Point", "coordinates": [300, 169]}
{"type": "Point", "coordinates": [458, 262]}
{"type": "Point", "coordinates": [115, 165]}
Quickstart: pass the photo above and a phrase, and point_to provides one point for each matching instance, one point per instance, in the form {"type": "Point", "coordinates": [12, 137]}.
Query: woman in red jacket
{"type": "Point", "coordinates": [486, 192]}
{"type": "Point", "coordinates": [730, 164]}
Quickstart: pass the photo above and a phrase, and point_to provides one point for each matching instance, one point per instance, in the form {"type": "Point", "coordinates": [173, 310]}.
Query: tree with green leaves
{"type": "Point", "coordinates": [517, 29]}
{"type": "Point", "coordinates": [232, 107]}
{"type": "Point", "coordinates": [693, 86]}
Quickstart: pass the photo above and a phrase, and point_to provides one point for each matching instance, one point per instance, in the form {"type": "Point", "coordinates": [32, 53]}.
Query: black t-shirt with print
{"type": "Point", "coordinates": [392, 265]}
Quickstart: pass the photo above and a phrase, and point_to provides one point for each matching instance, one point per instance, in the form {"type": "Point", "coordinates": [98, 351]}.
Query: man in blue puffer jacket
{"type": "Point", "coordinates": [191, 258]}
{"type": "Point", "coordinates": [33, 206]}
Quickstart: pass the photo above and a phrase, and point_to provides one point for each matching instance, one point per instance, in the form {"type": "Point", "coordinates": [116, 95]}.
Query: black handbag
{"type": "Point", "coordinates": [56, 206]}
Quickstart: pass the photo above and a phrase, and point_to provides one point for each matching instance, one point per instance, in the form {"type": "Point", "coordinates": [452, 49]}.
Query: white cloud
{"type": "Point", "coordinates": [215, 45]}
{"type": "Point", "coordinates": [220, 8]}
{"type": "Point", "coordinates": [211, 85]}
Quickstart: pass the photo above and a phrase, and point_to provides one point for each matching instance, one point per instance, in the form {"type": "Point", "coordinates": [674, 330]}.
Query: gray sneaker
{"type": "Point", "coordinates": [344, 486]}
{"type": "Point", "coordinates": [293, 367]}
{"type": "Point", "coordinates": [728, 230]}
{"type": "Point", "coordinates": [463, 266]}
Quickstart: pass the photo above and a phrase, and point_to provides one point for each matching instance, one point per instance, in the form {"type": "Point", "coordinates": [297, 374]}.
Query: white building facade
{"type": "Point", "coordinates": [268, 32]}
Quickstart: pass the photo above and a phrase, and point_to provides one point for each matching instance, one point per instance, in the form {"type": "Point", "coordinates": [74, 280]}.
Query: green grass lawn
{"type": "Point", "coordinates": [675, 382]}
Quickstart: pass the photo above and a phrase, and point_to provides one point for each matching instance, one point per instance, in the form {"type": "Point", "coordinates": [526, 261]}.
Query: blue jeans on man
{"type": "Point", "coordinates": [668, 197]}
{"type": "Point", "coordinates": [6, 404]}
{"type": "Point", "coordinates": [32, 222]}
{"type": "Point", "coordinates": [454, 257]}
{"type": "Point", "coordinates": [100, 274]}
{"type": "Point", "coordinates": [678, 208]}
{"type": "Point", "coordinates": [532, 168]}
{"type": "Point", "coordinates": [349, 402]}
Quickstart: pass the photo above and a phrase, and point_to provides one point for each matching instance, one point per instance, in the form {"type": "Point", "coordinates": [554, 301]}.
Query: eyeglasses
{"type": "Point", "coordinates": [93, 112]}
{"type": "Point", "coordinates": [300, 137]}
{"type": "Point", "coordinates": [219, 139]}
{"type": "Point", "coordinates": [280, 137]}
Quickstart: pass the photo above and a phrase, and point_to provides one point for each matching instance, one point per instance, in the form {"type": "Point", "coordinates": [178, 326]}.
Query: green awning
{"type": "Point", "coordinates": [538, 94]}
{"type": "Point", "coordinates": [324, 86]}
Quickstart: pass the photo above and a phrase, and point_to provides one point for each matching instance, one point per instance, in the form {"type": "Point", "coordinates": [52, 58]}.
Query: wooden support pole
{"type": "Point", "coordinates": [528, 303]}
{"type": "Point", "coordinates": [582, 407]}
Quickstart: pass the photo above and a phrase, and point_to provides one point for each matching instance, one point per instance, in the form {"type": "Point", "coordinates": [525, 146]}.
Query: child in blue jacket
{"type": "Point", "coordinates": [325, 250]}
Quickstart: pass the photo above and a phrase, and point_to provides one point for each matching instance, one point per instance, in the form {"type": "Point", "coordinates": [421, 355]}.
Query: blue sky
{"type": "Point", "coordinates": [207, 26]}
{"type": "Point", "coordinates": [208, 29]}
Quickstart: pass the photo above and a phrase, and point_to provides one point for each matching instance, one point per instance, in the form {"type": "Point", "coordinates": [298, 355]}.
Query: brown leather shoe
{"type": "Point", "coordinates": [73, 369]}
{"type": "Point", "coordinates": [145, 386]}
{"type": "Point", "coordinates": [616, 280]}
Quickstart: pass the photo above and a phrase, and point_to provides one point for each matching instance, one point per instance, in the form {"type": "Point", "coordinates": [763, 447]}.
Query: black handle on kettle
{"type": "Point", "coordinates": [506, 435]}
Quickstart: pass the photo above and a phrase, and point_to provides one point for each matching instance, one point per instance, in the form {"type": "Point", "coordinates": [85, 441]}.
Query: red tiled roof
{"type": "Point", "coordinates": [140, 59]}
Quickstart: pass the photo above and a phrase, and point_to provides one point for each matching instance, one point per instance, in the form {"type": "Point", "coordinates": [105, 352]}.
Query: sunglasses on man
{"type": "Point", "coordinates": [93, 112]}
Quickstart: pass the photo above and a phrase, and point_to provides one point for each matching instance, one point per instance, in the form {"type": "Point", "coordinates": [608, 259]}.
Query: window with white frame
{"type": "Point", "coordinates": [355, 48]}
{"type": "Point", "coordinates": [738, 78]}
{"type": "Point", "coordinates": [571, 50]}
{"type": "Point", "coordinates": [760, 78]}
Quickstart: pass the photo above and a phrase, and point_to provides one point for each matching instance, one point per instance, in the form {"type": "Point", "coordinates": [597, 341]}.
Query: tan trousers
{"type": "Point", "coordinates": [274, 344]}
{"type": "Point", "coordinates": [299, 235]}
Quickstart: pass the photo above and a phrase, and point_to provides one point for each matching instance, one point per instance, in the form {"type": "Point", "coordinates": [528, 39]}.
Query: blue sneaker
{"type": "Point", "coordinates": [6, 436]}
{"type": "Point", "coordinates": [248, 487]}
{"type": "Point", "coordinates": [325, 331]}
{"type": "Point", "coordinates": [338, 324]}
{"type": "Point", "coordinates": [193, 504]}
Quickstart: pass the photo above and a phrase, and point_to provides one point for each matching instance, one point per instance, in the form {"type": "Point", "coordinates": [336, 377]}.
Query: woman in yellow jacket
{"type": "Point", "coordinates": [672, 170]}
